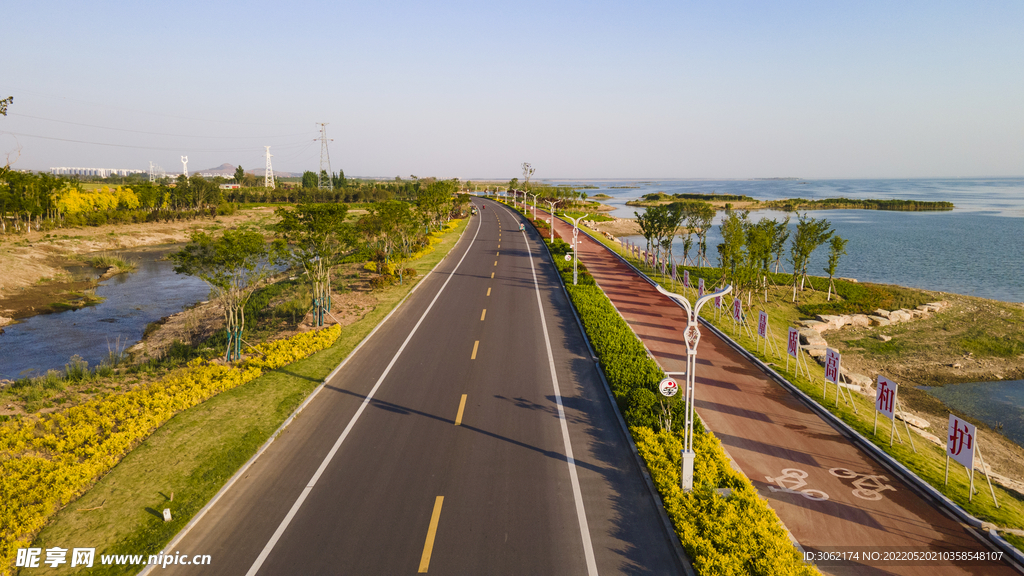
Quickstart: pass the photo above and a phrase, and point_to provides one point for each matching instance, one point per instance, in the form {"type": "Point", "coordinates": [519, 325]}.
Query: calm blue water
{"type": "Point", "coordinates": [998, 404]}
{"type": "Point", "coordinates": [47, 341]}
{"type": "Point", "coordinates": [975, 249]}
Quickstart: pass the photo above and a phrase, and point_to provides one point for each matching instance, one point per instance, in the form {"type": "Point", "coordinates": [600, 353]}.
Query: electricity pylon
{"type": "Point", "coordinates": [268, 178]}
{"type": "Point", "coordinates": [325, 161]}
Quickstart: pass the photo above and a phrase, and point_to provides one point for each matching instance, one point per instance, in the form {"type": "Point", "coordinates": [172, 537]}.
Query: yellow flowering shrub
{"type": "Point", "coordinates": [47, 460]}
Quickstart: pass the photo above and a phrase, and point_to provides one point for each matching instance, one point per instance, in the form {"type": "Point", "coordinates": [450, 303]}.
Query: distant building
{"type": "Point", "coordinates": [229, 186]}
{"type": "Point", "coordinates": [100, 172]}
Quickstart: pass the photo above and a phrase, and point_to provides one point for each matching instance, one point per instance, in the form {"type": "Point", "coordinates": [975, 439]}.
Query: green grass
{"type": "Point", "coordinates": [198, 450]}
{"type": "Point", "coordinates": [983, 343]}
{"type": "Point", "coordinates": [117, 261]}
{"type": "Point", "coordinates": [929, 462]}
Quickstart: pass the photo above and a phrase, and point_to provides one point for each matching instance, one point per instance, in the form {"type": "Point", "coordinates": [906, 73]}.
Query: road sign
{"type": "Point", "coordinates": [568, 257]}
{"type": "Point", "coordinates": [793, 345]}
{"type": "Point", "coordinates": [885, 400]}
{"type": "Point", "coordinates": [668, 387]}
{"type": "Point", "coordinates": [961, 442]}
{"type": "Point", "coordinates": [832, 366]}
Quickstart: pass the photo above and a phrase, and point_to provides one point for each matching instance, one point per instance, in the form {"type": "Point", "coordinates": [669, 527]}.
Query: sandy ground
{"type": "Point", "coordinates": [35, 266]}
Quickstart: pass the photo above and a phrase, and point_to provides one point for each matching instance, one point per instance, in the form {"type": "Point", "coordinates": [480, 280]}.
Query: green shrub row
{"type": "Point", "coordinates": [734, 534]}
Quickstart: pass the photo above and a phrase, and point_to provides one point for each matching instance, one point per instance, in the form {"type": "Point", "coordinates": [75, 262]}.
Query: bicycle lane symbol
{"type": "Point", "coordinates": [868, 486]}
{"type": "Point", "coordinates": [793, 481]}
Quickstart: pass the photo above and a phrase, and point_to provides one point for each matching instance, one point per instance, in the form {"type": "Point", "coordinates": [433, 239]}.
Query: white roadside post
{"type": "Point", "coordinates": [575, 243]}
{"type": "Point", "coordinates": [692, 337]}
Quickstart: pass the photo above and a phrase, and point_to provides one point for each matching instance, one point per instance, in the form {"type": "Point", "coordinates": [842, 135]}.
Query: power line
{"type": "Point", "coordinates": [152, 133]}
{"type": "Point", "coordinates": [178, 148]}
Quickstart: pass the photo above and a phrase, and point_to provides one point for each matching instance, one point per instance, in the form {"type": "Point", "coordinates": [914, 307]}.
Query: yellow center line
{"type": "Point", "coordinates": [462, 408]}
{"type": "Point", "coordinates": [489, 288]}
{"type": "Point", "coordinates": [498, 253]}
{"type": "Point", "coordinates": [428, 546]}
{"type": "Point", "coordinates": [495, 262]}
{"type": "Point", "coordinates": [492, 274]}
{"type": "Point", "coordinates": [475, 346]}
{"type": "Point", "coordinates": [484, 313]}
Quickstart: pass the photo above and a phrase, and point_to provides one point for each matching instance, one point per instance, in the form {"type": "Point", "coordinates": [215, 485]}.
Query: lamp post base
{"type": "Point", "coordinates": [686, 470]}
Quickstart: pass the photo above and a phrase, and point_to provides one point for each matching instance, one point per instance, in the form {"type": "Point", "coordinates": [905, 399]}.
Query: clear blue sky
{"type": "Point", "coordinates": [472, 89]}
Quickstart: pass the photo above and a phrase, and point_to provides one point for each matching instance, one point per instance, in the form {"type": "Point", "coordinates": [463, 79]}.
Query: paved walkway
{"type": "Point", "coordinates": [790, 453]}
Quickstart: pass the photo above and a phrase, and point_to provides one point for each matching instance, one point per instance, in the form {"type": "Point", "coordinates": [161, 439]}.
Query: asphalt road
{"type": "Point", "coordinates": [470, 434]}
{"type": "Point", "coordinates": [833, 497]}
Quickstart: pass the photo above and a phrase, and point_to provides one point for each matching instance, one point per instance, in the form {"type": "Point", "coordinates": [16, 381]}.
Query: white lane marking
{"type": "Point", "coordinates": [581, 513]}
{"type": "Point", "coordinates": [344, 434]}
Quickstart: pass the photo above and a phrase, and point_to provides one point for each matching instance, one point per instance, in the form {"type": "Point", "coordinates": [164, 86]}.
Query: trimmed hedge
{"type": "Point", "coordinates": [737, 535]}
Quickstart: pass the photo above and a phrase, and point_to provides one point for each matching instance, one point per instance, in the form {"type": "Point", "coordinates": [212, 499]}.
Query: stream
{"type": "Point", "coordinates": [133, 300]}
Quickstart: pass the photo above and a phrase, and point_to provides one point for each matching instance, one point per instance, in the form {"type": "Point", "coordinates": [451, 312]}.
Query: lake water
{"type": "Point", "coordinates": [976, 249]}
{"type": "Point", "coordinates": [47, 341]}
{"type": "Point", "coordinates": [998, 404]}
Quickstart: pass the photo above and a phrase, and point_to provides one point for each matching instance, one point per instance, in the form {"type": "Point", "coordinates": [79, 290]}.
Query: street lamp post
{"type": "Point", "coordinates": [692, 337]}
{"type": "Point", "coordinates": [534, 205]}
{"type": "Point", "coordinates": [551, 218]}
{"type": "Point", "coordinates": [575, 243]}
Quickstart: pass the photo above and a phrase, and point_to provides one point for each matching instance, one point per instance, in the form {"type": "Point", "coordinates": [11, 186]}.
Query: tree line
{"type": "Point", "coordinates": [316, 238]}
{"type": "Point", "coordinates": [748, 251]}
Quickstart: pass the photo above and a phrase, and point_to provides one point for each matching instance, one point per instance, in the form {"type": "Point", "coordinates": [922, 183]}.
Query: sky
{"type": "Point", "coordinates": [465, 89]}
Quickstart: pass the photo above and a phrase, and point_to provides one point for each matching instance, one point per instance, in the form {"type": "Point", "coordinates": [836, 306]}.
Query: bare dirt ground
{"type": "Point", "coordinates": [35, 266]}
{"type": "Point", "coordinates": [936, 351]}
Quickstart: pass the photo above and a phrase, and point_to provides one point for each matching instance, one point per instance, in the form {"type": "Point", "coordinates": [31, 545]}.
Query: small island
{"type": "Point", "coordinates": [733, 201]}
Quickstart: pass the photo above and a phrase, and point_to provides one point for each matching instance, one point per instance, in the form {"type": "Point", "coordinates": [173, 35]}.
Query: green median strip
{"type": "Point", "coordinates": [188, 459]}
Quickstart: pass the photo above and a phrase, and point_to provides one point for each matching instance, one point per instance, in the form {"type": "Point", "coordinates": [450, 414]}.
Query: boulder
{"type": "Point", "coordinates": [919, 423]}
{"type": "Point", "coordinates": [900, 316]}
{"type": "Point", "coordinates": [938, 305]}
{"type": "Point", "coordinates": [812, 338]}
{"type": "Point", "coordinates": [883, 337]}
{"type": "Point", "coordinates": [930, 437]}
{"type": "Point", "coordinates": [860, 320]}
{"type": "Point", "coordinates": [857, 379]}
{"type": "Point", "coordinates": [882, 313]}
{"type": "Point", "coordinates": [817, 353]}
{"type": "Point", "coordinates": [879, 321]}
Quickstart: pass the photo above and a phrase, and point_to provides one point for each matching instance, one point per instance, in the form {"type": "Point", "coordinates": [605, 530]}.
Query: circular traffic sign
{"type": "Point", "coordinates": [568, 257]}
{"type": "Point", "coordinates": [668, 387]}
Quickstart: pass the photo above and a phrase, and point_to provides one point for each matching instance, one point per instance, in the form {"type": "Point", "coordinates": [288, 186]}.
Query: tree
{"type": "Point", "coordinates": [527, 172]}
{"type": "Point", "coordinates": [699, 220]}
{"type": "Point", "coordinates": [4, 103]}
{"type": "Point", "coordinates": [436, 201]}
{"type": "Point", "coordinates": [234, 265]}
{"type": "Point", "coordinates": [309, 179]}
{"type": "Point", "coordinates": [837, 248]}
{"type": "Point", "coordinates": [239, 174]}
{"type": "Point", "coordinates": [318, 236]}
{"type": "Point", "coordinates": [810, 234]}
{"type": "Point", "coordinates": [513, 184]}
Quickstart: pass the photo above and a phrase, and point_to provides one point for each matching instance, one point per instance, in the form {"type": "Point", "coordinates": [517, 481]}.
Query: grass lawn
{"type": "Point", "coordinates": [196, 452]}
{"type": "Point", "coordinates": [928, 462]}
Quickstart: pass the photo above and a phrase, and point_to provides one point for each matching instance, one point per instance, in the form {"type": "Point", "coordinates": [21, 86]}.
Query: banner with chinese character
{"type": "Point", "coordinates": [737, 310]}
{"type": "Point", "coordinates": [700, 288]}
{"type": "Point", "coordinates": [686, 278]}
{"type": "Point", "coordinates": [718, 303]}
{"type": "Point", "coordinates": [793, 343]}
{"type": "Point", "coordinates": [961, 442]}
{"type": "Point", "coordinates": [885, 399]}
{"type": "Point", "coordinates": [832, 365]}
{"type": "Point", "coordinates": [762, 324]}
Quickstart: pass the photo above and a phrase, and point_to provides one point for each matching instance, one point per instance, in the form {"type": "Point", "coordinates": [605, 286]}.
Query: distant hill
{"type": "Point", "coordinates": [228, 171]}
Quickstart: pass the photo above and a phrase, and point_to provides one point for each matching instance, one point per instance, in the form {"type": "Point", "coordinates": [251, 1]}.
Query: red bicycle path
{"type": "Point", "coordinates": [791, 454]}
